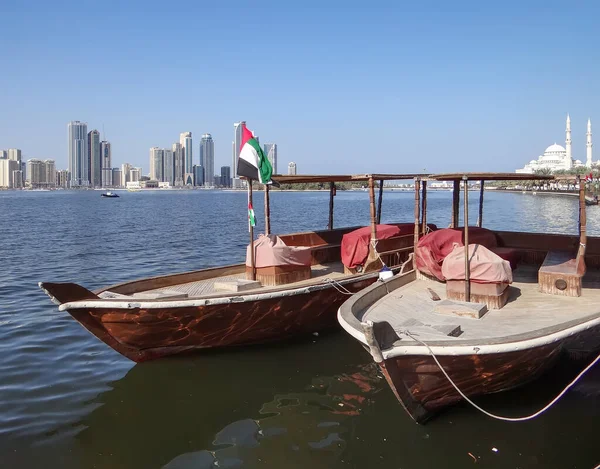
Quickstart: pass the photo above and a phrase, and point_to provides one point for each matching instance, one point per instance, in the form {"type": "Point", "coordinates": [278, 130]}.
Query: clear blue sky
{"type": "Point", "coordinates": [393, 87]}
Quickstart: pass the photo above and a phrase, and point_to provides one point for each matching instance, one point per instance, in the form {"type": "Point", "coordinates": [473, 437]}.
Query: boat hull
{"type": "Point", "coordinates": [144, 334]}
{"type": "Point", "coordinates": [423, 390]}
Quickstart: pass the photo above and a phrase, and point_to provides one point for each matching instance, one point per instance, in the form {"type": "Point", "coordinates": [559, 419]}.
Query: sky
{"type": "Point", "coordinates": [341, 87]}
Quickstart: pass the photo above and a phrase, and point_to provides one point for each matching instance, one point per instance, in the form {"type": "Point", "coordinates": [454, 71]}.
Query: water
{"type": "Point", "coordinates": [69, 401]}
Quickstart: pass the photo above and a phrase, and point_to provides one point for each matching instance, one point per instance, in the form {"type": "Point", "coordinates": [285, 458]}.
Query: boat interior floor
{"type": "Point", "coordinates": [411, 308]}
{"type": "Point", "coordinates": [201, 288]}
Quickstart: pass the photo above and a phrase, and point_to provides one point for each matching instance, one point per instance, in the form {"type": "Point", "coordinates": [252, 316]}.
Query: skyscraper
{"type": "Point", "coordinates": [185, 139]}
{"type": "Point", "coordinates": [225, 176]}
{"type": "Point", "coordinates": [207, 159]}
{"type": "Point", "coordinates": [3, 154]}
{"type": "Point", "coordinates": [7, 167]}
{"type": "Point", "coordinates": [14, 154]}
{"type": "Point", "coordinates": [78, 154]}
{"type": "Point", "coordinates": [94, 162]}
{"type": "Point", "coordinates": [237, 142]}
{"type": "Point", "coordinates": [156, 164]}
{"type": "Point", "coordinates": [125, 174]}
{"type": "Point", "coordinates": [270, 150]}
{"type": "Point", "coordinates": [178, 163]}
{"type": "Point", "coordinates": [292, 168]}
{"type": "Point", "coordinates": [106, 162]}
{"type": "Point", "coordinates": [168, 166]}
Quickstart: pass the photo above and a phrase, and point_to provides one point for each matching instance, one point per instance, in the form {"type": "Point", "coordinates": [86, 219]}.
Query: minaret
{"type": "Point", "coordinates": [588, 146]}
{"type": "Point", "coordinates": [568, 142]}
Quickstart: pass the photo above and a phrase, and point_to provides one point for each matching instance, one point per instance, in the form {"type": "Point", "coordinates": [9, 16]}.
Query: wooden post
{"type": "Point", "coordinates": [251, 229]}
{"type": "Point", "coordinates": [455, 204]}
{"type": "Point", "coordinates": [424, 208]}
{"type": "Point", "coordinates": [480, 218]}
{"type": "Point", "coordinates": [379, 201]}
{"type": "Point", "coordinates": [467, 267]}
{"type": "Point", "coordinates": [331, 195]}
{"type": "Point", "coordinates": [373, 215]}
{"type": "Point", "coordinates": [417, 211]}
{"type": "Point", "coordinates": [267, 211]}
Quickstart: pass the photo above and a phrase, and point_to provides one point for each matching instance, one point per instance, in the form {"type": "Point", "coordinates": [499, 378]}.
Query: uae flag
{"type": "Point", "coordinates": [253, 163]}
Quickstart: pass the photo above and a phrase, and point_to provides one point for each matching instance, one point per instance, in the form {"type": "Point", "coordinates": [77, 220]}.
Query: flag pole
{"type": "Point", "coordinates": [251, 230]}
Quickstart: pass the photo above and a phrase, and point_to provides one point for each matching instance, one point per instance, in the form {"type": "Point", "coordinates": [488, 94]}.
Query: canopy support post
{"type": "Point", "coordinates": [424, 208]}
{"type": "Point", "coordinates": [331, 195]}
{"type": "Point", "coordinates": [417, 220]}
{"type": "Point", "coordinates": [251, 230]}
{"type": "Point", "coordinates": [467, 267]}
{"type": "Point", "coordinates": [455, 204]}
{"type": "Point", "coordinates": [480, 218]}
{"type": "Point", "coordinates": [267, 211]}
{"type": "Point", "coordinates": [379, 201]}
{"type": "Point", "coordinates": [373, 215]}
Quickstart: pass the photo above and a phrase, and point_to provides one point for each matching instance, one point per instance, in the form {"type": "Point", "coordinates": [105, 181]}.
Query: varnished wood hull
{"type": "Point", "coordinates": [145, 334]}
{"type": "Point", "coordinates": [424, 391]}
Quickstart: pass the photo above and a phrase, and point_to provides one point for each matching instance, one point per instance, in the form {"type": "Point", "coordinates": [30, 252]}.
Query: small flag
{"type": "Point", "coordinates": [589, 177]}
{"type": "Point", "coordinates": [252, 162]}
{"type": "Point", "coordinates": [251, 218]}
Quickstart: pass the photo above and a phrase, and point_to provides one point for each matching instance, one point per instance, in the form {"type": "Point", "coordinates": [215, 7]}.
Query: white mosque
{"type": "Point", "coordinates": [557, 158]}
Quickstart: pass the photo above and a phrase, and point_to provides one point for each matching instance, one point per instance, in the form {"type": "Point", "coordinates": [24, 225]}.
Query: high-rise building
{"type": "Point", "coordinates": [185, 139]}
{"type": "Point", "coordinates": [14, 154]}
{"type": "Point", "coordinates": [168, 167]}
{"type": "Point", "coordinates": [270, 150]}
{"type": "Point", "coordinates": [156, 164]}
{"type": "Point", "coordinates": [207, 159]}
{"type": "Point", "coordinates": [292, 168]}
{"type": "Point", "coordinates": [94, 161]}
{"type": "Point", "coordinates": [36, 174]}
{"type": "Point", "coordinates": [116, 177]}
{"type": "Point", "coordinates": [7, 167]}
{"type": "Point", "coordinates": [125, 174]}
{"type": "Point", "coordinates": [198, 175]}
{"type": "Point", "coordinates": [50, 173]}
{"type": "Point", "coordinates": [78, 154]}
{"type": "Point", "coordinates": [237, 142]}
{"type": "Point", "coordinates": [225, 176]}
{"type": "Point", "coordinates": [3, 154]}
{"type": "Point", "coordinates": [178, 163]}
{"type": "Point", "coordinates": [106, 162]}
{"type": "Point", "coordinates": [63, 178]}
{"type": "Point", "coordinates": [17, 179]}
{"type": "Point", "coordinates": [135, 174]}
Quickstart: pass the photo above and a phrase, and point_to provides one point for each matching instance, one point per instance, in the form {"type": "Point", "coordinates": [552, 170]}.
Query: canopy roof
{"type": "Point", "coordinates": [490, 177]}
{"type": "Point", "coordinates": [315, 178]}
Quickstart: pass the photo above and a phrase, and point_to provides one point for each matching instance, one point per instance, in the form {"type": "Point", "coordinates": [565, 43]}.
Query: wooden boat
{"type": "Point", "coordinates": [237, 304]}
{"type": "Point", "coordinates": [428, 341]}
{"type": "Point", "coordinates": [109, 194]}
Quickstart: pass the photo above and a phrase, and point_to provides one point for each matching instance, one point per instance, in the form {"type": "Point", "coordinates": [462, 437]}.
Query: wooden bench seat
{"type": "Point", "coordinates": [561, 273]}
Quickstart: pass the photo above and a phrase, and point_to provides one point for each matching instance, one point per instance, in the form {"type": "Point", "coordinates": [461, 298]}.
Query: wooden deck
{"type": "Point", "coordinates": [411, 308]}
{"type": "Point", "coordinates": [207, 287]}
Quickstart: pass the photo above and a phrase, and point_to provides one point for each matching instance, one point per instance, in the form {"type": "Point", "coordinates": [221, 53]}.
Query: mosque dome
{"type": "Point", "coordinates": [554, 149]}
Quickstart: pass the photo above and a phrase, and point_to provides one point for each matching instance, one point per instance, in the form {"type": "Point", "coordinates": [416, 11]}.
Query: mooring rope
{"type": "Point", "coordinates": [500, 417]}
{"type": "Point", "coordinates": [339, 287]}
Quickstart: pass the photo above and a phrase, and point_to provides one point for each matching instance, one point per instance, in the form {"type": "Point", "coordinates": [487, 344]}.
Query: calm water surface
{"type": "Point", "coordinates": [69, 401]}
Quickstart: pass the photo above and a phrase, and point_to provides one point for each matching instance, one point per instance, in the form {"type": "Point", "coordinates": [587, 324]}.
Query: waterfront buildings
{"type": "Point", "coordinates": [207, 159]}
{"type": "Point", "coordinates": [135, 174]}
{"type": "Point", "coordinates": [94, 161]}
{"type": "Point", "coordinates": [156, 164]}
{"type": "Point", "coordinates": [125, 174]}
{"type": "Point", "coordinates": [106, 162]}
{"type": "Point", "coordinates": [78, 153]}
{"type": "Point", "coordinates": [168, 167]}
{"type": "Point", "coordinates": [292, 170]}
{"type": "Point", "coordinates": [559, 158]}
{"type": "Point", "coordinates": [41, 174]}
{"type": "Point", "coordinates": [270, 150]}
{"type": "Point", "coordinates": [7, 167]}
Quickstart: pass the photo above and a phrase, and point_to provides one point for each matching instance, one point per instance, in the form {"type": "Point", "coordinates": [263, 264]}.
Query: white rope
{"type": "Point", "coordinates": [339, 287]}
{"type": "Point", "coordinates": [499, 417]}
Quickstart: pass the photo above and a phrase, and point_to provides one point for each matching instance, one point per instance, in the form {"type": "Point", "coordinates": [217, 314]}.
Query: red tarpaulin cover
{"type": "Point", "coordinates": [433, 248]}
{"type": "Point", "coordinates": [484, 265]}
{"type": "Point", "coordinates": [355, 245]}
